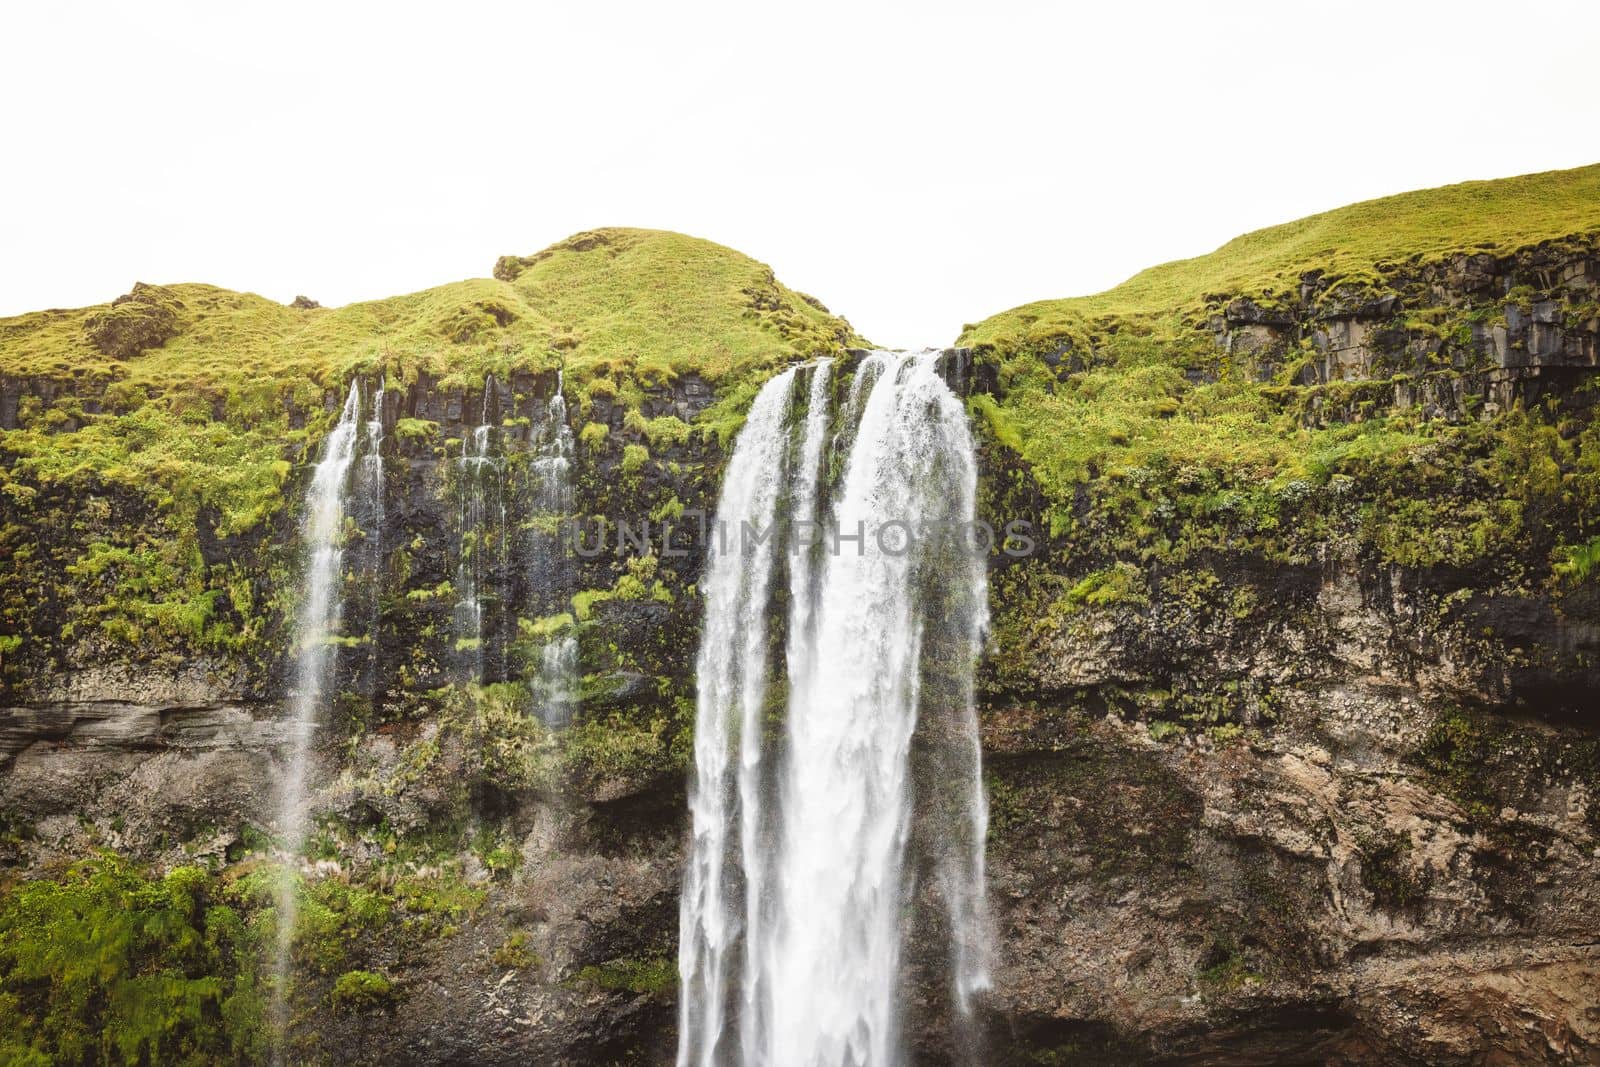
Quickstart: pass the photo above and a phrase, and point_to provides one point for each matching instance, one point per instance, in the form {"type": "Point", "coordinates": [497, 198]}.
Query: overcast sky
{"type": "Point", "coordinates": [915, 166]}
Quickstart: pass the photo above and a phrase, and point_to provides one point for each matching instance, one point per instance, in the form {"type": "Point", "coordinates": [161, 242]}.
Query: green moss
{"type": "Point", "coordinates": [1576, 563]}
{"type": "Point", "coordinates": [645, 977]}
{"type": "Point", "coordinates": [1104, 588]}
{"type": "Point", "coordinates": [543, 629]}
{"type": "Point", "coordinates": [514, 953]}
{"type": "Point", "coordinates": [666, 431]}
{"type": "Point", "coordinates": [583, 602]}
{"type": "Point", "coordinates": [416, 429]}
{"type": "Point", "coordinates": [1226, 968]}
{"type": "Point", "coordinates": [634, 457]}
{"type": "Point", "coordinates": [593, 435]}
{"type": "Point", "coordinates": [362, 991]}
{"type": "Point", "coordinates": [635, 746]}
{"type": "Point", "coordinates": [507, 746]}
{"type": "Point", "coordinates": [142, 319]}
{"type": "Point", "coordinates": [105, 964]}
{"type": "Point", "coordinates": [990, 414]}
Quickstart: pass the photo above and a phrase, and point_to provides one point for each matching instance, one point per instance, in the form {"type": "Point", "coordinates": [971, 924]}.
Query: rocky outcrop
{"type": "Point", "coordinates": [1503, 327]}
{"type": "Point", "coordinates": [1380, 868]}
{"type": "Point", "coordinates": [143, 318]}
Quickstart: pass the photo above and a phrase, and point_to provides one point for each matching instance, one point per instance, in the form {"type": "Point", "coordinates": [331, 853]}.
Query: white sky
{"type": "Point", "coordinates": [913, 165]}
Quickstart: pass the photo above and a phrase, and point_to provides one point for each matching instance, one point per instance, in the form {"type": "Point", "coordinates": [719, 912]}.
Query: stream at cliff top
{"type": "Point", "coordinates": [799, 881]}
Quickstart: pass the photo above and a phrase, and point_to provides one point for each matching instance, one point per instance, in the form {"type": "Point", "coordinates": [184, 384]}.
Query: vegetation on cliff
{"type": "Point", "coordinates": [107, 965]}
{"type": "Point", "coordinates": [206, 405]}
{"type": "Point", "coordinates": [1196, 496]}
{"type": "Point", "coordinates": [176, 415]}
{"type": "Point", "coordinates": [1406, 383]}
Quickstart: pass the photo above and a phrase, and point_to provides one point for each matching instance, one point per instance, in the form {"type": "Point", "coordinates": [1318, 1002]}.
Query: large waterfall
{"type": "Point", "coordinates": [797, 884]}
{"type": "Point", "coordinates": [317, 625]}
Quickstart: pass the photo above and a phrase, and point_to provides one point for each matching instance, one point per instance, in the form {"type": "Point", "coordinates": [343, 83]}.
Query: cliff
{"type": "Point", "coordinates": [156, 451]}
{"type": "Point", "coordinates": [1291, 728]}
{"type": "Point", "coordinates": [1288, 721]}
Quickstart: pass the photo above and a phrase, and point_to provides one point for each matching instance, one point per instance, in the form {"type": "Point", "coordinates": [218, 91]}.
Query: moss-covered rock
{"type": "Point", "coordinates": [144, 318]}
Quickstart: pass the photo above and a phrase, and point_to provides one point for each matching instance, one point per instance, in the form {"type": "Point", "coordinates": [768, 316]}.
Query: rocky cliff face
{"type": "Point", "coordinates": [549, 861]}
{"type": "Point", "coordinates": [1289, 759]}
{"type": "Point", "coordinates": [1293, 789]}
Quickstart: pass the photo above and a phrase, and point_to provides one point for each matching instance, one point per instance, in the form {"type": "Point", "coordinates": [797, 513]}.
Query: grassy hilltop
{"type": "Point", "coordinates": [661, 302]}
{"type": "Point", "coordinates": [192, 382]}
{"type": "Point", "coordinates": [1347, 244]}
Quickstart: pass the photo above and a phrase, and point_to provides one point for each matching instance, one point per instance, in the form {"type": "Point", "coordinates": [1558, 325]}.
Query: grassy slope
{"type": "Point", "coordinates": [658, 301]}
{"type": "Point", "coordinates": [1141, 466]}
{"type": "Point", "coordinates": [639, 305]}
{"type": "Point", "coordinates": [1492, 216]}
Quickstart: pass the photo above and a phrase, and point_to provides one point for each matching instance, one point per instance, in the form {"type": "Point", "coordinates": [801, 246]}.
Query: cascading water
{"type": "Point", "coordinates": [369, 489]}
{"type": "Point", "coordinates": [732, 681]}
{"type": "Point", "coordinates": [317, 623]}
{"type": "Point", "coordinates": [482, 528]}
{"type": "Point", "coordinates": [555, 682]}
{"type": "Point", "coordinates": [885, 618]}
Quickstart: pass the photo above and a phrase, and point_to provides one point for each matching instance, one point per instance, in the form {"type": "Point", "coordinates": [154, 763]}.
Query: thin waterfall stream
{"type": "Point", "coordinates": [555, 682]}
{"type": "Point", "coordinates": [482, 528]}
{"type": "Point", "coordinates": [317, 625]}
{"type": "Point", "coordinates": [793, 910]}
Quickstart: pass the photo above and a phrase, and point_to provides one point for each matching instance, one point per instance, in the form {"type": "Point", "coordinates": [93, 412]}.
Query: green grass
{"type": "Point", "coordinates": [662, 304]}
{"type": "Point", "coordinates": [647, 976]}
{"type": "Point", "coordinates": [1485, 216]}
{"type": "Point", "coordinates": [647, 302]}
{"type": "Point", "coordinates": [362, 991]}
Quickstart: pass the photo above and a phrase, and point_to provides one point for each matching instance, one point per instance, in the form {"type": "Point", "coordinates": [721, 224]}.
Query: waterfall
{"type": "Point", "coordinates": [885, 617]}
{"type": "Point", "coordinates": [555, 682]}
{"type": "Point", "coordinates": [481, 517]}
{"type": "Point", "coordinates": [370, 490]}
{"type": "Point", "coordinates": [317, 624]}
{"type": "Point", "coordinates": [732, 677]}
